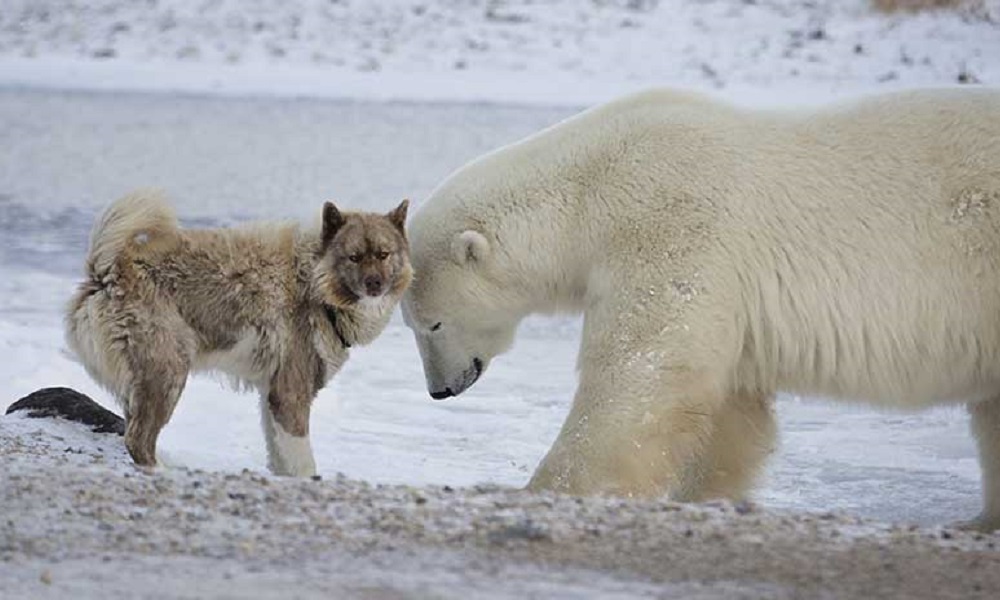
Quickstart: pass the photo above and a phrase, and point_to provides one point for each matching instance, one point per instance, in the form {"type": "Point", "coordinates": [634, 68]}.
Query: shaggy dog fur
{"type": "Point", "coordinates": [275, 307]}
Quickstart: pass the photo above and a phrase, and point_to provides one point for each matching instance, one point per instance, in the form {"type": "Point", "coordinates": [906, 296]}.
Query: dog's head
{"type": "Point", "coordinates": [365, 256]}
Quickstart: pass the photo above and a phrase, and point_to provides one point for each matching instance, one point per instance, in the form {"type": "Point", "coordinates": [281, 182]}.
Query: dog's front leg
{"type": "Point", "coordinates": [285, 418]}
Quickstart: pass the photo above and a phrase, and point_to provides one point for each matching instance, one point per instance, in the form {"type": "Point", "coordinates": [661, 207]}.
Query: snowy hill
{"type": "Point", "coordinates": [568, 52]}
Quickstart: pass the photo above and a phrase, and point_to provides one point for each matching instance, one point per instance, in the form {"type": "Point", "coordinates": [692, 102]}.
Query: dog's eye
{"type": "Point", "coordinates": [355, 258]}
{"type": "Point", "coordinates": [382, 255]}
{"type": "Point", "coordinates": [436, 326]}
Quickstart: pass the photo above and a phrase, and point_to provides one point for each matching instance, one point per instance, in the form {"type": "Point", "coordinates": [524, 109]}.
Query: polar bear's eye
{"type": "Point", "coordinates": [436, 326]}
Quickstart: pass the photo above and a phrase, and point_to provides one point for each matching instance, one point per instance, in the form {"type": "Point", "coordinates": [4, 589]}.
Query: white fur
{"type": "Point", "coordinates": [240, 363]}
{"type": "Point", "coordinates": [720, 255]}
{"type": "Point", "coordinates": [115, 230]}
{"type": "Point", "coordinates": [470, 245]}
{"type": "Point", "coordinates": [88, 347]}
{"type": "Point", "coordinates": [287, 454]}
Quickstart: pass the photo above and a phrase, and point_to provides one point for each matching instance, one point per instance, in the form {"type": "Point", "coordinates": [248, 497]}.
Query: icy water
{"type": "Point", "coordinates": [223, 161]}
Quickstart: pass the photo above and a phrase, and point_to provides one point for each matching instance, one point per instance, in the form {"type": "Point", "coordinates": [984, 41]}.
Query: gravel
{"type": "Point", "coordinates": [76, 515]}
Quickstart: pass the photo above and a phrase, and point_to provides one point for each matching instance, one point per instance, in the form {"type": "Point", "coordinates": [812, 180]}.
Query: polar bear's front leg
{"type": "Point", "coordinates": [744, 435]}
{"type": "Point", "coordinates": [632, 434]}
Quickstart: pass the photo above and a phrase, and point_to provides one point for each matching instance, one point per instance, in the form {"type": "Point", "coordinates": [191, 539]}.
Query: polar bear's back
{"type": "Point", "coordinates": [859, 244]}
{"type": "Point", "coordinates": [956, 131]}
{"type": "Point", "coordinates": [873, 233]}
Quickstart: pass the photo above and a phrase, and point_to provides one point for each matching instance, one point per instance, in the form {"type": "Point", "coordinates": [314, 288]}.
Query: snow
{"type": "Point", "coordinates": [375, 421]}
{"type": "Point", "coordinates": [562, 52]}
{"type": "Point", "coordinates": [262, 110]}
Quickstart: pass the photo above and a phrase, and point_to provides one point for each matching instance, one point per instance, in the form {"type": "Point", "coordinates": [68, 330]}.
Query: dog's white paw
{"type": "Point", "coordinates": [291, 455]}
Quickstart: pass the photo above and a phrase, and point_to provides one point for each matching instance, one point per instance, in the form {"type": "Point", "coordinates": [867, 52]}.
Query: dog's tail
{"type": "Point", "coordinates": [138, 223]}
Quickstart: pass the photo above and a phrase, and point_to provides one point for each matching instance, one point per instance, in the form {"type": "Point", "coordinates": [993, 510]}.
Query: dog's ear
{"type": "Point", "coordinates": [470, 246]}
{"type": "Point", "coordinates": [332, 222]}
{"type": "Point", "coordinates": [398, 216]}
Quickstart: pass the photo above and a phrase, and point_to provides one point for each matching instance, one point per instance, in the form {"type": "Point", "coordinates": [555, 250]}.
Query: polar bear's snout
{"type": "Point", "coordinates": [441, 384]}
{"type": "Point", "coordinates": [469, 376]}
{"type": "Point", "coordinates": [454, 356]}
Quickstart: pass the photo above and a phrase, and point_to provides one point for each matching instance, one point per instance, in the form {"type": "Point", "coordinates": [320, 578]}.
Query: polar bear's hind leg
{"type": "Point", "coordinates": [986, 429]}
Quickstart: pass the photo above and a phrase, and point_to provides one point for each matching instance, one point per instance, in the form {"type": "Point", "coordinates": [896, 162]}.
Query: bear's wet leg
{"type": "Point", "coordinates": [743, 436]}
{"type": "Point", "coordinates": [986, 429]}
{"type": "Point", "coordinates": [632, 436]}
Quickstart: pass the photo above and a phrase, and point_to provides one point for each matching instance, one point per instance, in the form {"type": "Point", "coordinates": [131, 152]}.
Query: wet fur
{"type": "Point", "coordinates": [720, 255]}
{"type": "Point", "coordinates": [264, 304]}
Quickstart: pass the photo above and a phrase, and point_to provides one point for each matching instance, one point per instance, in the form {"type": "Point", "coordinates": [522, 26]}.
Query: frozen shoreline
{"type": "Point", "coordinates": [307, 82]}
{"type": "Point", "coordinates": [542, 53]}
{"type": "Point", "coordinates": [85, 516]}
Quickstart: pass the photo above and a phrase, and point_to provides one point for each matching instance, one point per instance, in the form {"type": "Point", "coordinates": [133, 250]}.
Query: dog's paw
{"type": "Point", "coordinates": [165, 460]}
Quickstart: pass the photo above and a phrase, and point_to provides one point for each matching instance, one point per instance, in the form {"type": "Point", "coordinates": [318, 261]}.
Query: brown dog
{"type": "Point", "coordinates": [275, 307]}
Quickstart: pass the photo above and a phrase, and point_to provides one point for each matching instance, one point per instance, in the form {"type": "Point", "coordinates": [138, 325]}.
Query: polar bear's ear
{"type": "Point", "coordinates": [470, 246]}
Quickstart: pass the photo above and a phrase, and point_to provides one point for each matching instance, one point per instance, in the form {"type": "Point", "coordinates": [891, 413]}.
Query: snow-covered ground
{"type": "Point", "coordinates": [262, 110]}
{"type": "Point", "coordinates": [249, 109]}
{"type": "Point", "coordinates": [566, 52]}
{"type": "Point", "coordinates": [80, 521]}
{"type": "Point", "coordinates": [225, 160]}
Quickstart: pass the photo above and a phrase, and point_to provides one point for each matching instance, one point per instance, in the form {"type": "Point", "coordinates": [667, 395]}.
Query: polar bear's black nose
{"type": "Point", "coordinates": [447, 393]}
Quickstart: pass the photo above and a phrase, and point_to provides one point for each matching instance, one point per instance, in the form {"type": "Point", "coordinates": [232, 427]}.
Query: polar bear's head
{"type": "Point", "coordinates": [478, 246]}
{"type": "Point", "coordinates": [461, 306]}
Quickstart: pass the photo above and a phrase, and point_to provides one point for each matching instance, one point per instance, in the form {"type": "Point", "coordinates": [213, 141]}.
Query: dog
{"type": "Point", "coordinates": [276, 307]}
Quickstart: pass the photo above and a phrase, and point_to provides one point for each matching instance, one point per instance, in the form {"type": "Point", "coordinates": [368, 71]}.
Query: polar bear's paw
{"type": "Point", "coordinates": [983, 524]}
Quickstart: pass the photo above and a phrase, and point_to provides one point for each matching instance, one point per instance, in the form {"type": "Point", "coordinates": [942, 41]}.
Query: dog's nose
{"type": "Point", "coordinates": [373, 284]}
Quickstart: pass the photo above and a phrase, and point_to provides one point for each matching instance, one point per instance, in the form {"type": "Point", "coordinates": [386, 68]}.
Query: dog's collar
{"type": "Point", "coordinates": [331, 315]}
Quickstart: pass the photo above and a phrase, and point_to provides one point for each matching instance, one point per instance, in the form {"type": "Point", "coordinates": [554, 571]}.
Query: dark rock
{"type": "Point", "coordinates": [522, 530]}
{"type": "Point", "coordinates": [817, 34]}
{"type": "Point", "coordinates": [965, 77]}
{"type": "Point", "coordinates": [69, 404]}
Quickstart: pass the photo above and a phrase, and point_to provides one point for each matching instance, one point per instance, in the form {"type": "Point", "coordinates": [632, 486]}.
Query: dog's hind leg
{"type": "Point", "coordinates": [160, 359]}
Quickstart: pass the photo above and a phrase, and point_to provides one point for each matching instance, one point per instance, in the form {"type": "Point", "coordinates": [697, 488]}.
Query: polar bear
{"type": "Point", "coordinates": [719, 255]}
